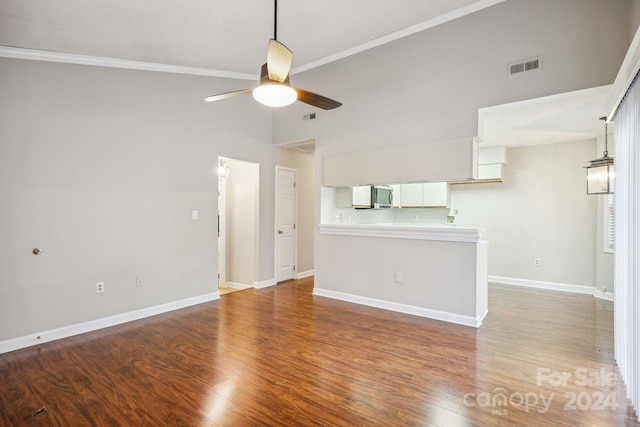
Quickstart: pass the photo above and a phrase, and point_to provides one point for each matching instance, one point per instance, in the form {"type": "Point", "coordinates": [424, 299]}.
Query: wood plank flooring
{"type": "Point", "coordinates": [280, 356]}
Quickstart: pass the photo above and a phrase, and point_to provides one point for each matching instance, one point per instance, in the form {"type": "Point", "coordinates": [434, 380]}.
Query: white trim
{"type": "Point", "coordinates": [403, 231]}
{"type": "Point", "coordinates": [235, 285]}
{"type": "Point", "coordinates": [69, 58]}
{"type": "Point", "coordinates": [105, 322]}
{"type": "Point", "coordinates": [405, 32]}
{"type": "Point", "coordinates": [304, 274]}
{"type": "Point", "coordinates": [628, 70]}
{"type": "Point", "coordinates": [264, 284]}
{"type": "Point", "coordinates": [603, 295]}
{"type": "Point", "coordinates": [43, 55]}
{"type": "Point", "coordinates": [552, 286]}
{"type": "Point", "coordinates": [403, 308]}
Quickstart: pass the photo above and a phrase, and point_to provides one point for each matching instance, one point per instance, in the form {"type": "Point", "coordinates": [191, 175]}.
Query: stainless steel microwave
{"type": "Point", "coordinates": [372, 197]}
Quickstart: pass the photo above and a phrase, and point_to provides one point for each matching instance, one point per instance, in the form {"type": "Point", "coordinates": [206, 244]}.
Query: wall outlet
{"type": "Point", "coordinates": [415, 217]}
{"type": "Point", "coordinates": [99, 287]}
{"type": "Point", "coordinates": [138, 282]}
{"type": "Point", "coordinates": [194, 214]}
{"type": "Point", "coordinates": [536, 262]}
{"type": "Point", "coordinates": [399, 277]}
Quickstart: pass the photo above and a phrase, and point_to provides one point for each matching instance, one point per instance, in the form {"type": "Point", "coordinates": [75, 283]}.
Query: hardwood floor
{"type": "Point", "coordinates": [280, 356]}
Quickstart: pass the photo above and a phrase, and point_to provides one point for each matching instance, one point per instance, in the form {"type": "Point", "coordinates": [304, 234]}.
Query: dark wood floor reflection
{"type": "Point", "coordinates": [279, 356]}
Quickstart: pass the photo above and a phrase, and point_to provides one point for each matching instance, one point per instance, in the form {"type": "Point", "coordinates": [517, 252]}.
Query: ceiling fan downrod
{"type": "Point", "coordinates": [275, 20]}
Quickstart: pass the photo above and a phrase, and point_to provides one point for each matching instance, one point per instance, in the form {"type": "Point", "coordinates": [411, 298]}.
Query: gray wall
{"type": "Point", "coordinates": [101, 168]}
{"type": "Point", "coordinates": [541, 210]}
{"type": "Point", "coordinates": [307, 222]}
{"type": "Point", "coordinates": [429, 86]}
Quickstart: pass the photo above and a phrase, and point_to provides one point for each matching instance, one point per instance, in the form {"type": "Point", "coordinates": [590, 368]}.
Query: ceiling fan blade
{"type": "Point", "coordinates": [316, 100]}
{"type": "Point", "coordinates": [279, 59]}
{"type": "Point", "coordinates": [226, 95]}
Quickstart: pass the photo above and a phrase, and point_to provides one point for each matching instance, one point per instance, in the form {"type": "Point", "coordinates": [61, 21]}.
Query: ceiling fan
{"type": "Point", "coordinates": [274, 89]}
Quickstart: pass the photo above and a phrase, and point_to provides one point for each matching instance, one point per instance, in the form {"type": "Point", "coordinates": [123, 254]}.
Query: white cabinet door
{"type": "Point", "coordinates": [490, 172]}
{"type": "Point", "coordinates": [411, 195]}
{"type": "Point", "coordinates": [397, 195]}
{"type": "Point", "coordinates": [435, 195]}
{"type": "Point", "coordinates": [362, 196]}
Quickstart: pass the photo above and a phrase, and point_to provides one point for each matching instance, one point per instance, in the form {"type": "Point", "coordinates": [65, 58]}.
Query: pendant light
{"type": "Point", "coordinates": [600, 172]}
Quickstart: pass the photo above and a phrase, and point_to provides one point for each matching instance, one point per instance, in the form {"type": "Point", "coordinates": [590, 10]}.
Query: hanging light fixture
{"type": "Point", "coordinates": [222, 170]}
{"type": "Point", "coordinates": [600, 172]}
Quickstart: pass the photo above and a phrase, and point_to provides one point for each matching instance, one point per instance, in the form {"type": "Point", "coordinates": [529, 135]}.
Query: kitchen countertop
{"type": "Point", "coordinates": [414, 231]}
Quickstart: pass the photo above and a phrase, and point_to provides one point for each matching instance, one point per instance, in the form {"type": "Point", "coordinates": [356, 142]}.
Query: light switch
{"type": "Point", "coordinates": [194, 214]}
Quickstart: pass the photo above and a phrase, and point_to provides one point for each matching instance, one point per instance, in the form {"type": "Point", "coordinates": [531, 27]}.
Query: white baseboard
{"type": "Point", "coordinates": [304, 274]}
{"type": "Point", "coordinates": [235, 285]}
{"type": "Point", "coordinates": [552, 286]}
{"type": "Point", "coordinates": [264, 284]}
{"type": "Point", "coordinates": [105, 322]}
{"type": "Point", "coordinates": [402, 308]}
{"type": "Point", "coordinates": [603, 295]}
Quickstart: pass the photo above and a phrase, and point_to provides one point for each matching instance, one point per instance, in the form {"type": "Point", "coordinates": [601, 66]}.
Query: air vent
{"type": "Point", "coordinates": [525, 66]}
{"type": "Point", "coordinates": [311, 116]}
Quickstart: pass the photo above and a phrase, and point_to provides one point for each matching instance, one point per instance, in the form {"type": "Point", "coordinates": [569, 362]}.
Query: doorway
{"type": "Point", "coordinates": [286, 218]}
{"type": "Point", "coordinates": [238, 222]}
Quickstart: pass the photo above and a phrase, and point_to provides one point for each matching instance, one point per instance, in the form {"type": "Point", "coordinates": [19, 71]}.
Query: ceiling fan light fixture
{"type": "Point", "coordinates": [275, 95]}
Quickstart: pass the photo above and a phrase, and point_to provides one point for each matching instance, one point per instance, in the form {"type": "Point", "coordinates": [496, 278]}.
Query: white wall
{"type": "Point", "coordinates": [242, 229]}
{"type": "Point", "coordinates": [307, 223]}
{"type": "Point", "coordinates": [541, 210]}
{"type": "Point", "coordinates": [101, 168]}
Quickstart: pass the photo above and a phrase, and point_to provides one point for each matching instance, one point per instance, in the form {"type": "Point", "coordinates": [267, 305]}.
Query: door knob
{"type": "Point", "coordinates": [280, 232]}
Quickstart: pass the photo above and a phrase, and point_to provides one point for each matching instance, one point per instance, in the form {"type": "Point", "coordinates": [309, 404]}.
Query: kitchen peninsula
{"type": "Point", "coordinates": [442, 269]}
{"type": "Point", "coordinates": [377, 257]}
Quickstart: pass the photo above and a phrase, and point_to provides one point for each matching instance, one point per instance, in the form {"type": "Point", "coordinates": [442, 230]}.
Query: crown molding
{"type": "Point", "coordinates": [70, 58]}
{"type": "Point", "coordinates": [405, 32]}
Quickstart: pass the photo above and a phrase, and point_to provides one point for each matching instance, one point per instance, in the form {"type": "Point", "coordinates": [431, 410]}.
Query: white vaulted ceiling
{"type": "Point", "coordinates": [229, 36]}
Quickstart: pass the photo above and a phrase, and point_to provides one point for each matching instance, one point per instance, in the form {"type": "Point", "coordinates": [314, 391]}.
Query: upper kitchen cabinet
{"type": "Point", "coordinates": [425, 195]}
{"type": "Point", "coordinates": [435, 195]}
{"type": "Point", "coordinates": [452, 160]}
{"type": "Point", "coordinates": [491, 163]}
{"type": "Point", "coordinates": [361, 196]}
{"type": "Point", "coordinates": [411, 195]}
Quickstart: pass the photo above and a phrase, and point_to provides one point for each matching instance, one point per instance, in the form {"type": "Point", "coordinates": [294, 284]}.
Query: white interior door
{"type": "Point", "coordinates": [286, 202]}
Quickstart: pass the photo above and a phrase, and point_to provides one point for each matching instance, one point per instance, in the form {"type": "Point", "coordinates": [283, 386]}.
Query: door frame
{"type": "Point", "coordinates": [222, 231]}
{"type": "Point", "coordinates": [276, 246]}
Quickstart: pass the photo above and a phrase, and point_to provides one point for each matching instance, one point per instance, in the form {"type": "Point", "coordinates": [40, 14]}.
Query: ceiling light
{"type": "Point", "coordinates": [275, 95]}
{"type": "Point", "coordinates": [600, 172]}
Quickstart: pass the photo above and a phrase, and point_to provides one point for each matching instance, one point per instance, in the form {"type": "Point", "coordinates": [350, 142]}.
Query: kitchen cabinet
{"type": "Point", "coordinates": [411, 195]}
{"type": "Point", "coordinates": [435, 195]}
{"type": "Point", "coordinates": [490, 173]}
{"type": "Point", "coordinates": [425, 195]}
{"type": "Point", "coordinates": [361, 196]}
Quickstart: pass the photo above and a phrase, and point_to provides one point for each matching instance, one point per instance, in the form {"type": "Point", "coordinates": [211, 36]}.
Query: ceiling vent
{"type": "Point", "coordinates": [525, 66]}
